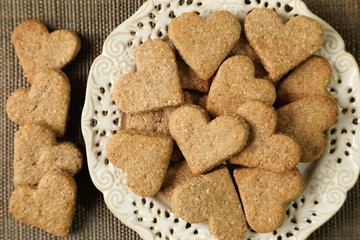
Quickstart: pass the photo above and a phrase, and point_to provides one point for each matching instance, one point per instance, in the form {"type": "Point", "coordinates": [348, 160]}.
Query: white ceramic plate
{"type": "Point", "coordinates": [327, 180]}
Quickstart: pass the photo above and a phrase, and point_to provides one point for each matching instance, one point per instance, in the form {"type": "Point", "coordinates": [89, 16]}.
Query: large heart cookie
{"type": "Point", "coordinates": [145, 158]}
{"type": "Point", "coordinates": [46, 102]}
{"type": "Point", "coordinates": [234, 84]}
{"type": "Point", "coordinates": [206, 144]}
{"type": "Point", "coordinates": [204, 43]}
{"type": "Point", "coordinates": [306, 120]}
{"type": "Point", "coordinates": [36, 152]}
{"type": "Point", "coordinates": [281, 47]}
{"type": "Point", "coordinates": [38, 49]}
{"type": "Point", "coordinates": [154, 85]}
{"type": "Point", "coordinates": [266, 149]}
{"type": "Point", "coordinates": [49, 206]}
{"type": "Point", "coordinates": [264, 195]}
{"type": "Point", "coordinates": [211, 198]}
{"type": "Point", "coordinates": [311, 78]}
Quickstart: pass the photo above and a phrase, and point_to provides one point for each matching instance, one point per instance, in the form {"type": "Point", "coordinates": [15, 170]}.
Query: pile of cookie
{"type": "Point", "coordinates": [234, 132]}
{"type": "Point", "coordinates": [45, 191]}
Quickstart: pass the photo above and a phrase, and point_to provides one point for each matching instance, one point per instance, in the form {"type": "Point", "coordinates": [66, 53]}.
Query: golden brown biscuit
{"type": "Point", "coordinates": [49, 206]}
{"type": "Point", "coordinates": [211, 198]}
{"type": "Point", "coordinates": [204, 43]}
{"type": "Point", "coordinates": [265, 195]}
{"type": "Point", "coordinates": [37, 49]}
{"type": "Point", "coordinates": [281, 47]}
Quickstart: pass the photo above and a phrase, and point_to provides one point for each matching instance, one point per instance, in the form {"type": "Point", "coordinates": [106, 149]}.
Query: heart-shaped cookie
{"type": "Point", "coordinates": [211, 198]}
{"type": "Point", "coordinates": [311, 78]}
{"type": "Point", "coordinates": [154, 85]}
{"type": "Point", "coordinates": [306, 120]}
{"type": "Point", "coordinates": [206, 144]}
{"type": "Point", "coordinates": [281, 47]}
{"type": "Point", "coordinates": [145, 158]}
{"type": "Point", "coordinates": [49, 206]}
{"type": "Point", "coordinates": [46, 102]}
{"type": "Point", "coordinates": [264, 195]}
{"type": "Point", "coordinates": [204, 43]}
{"type": "Point", "coordinates": [234, 84]}
{"type": "Point", "coordinates": [266, 149]}
{"type": "Point", "coordinates": [38, 49]}
{"type": "Point", "coordinates": [36, 151]}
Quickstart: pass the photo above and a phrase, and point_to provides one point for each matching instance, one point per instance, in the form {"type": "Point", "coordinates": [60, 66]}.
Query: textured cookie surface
{"type": "Point", "coordinates": [234, 84]}
{"type": "Point", "coordinates": [37, 49]}
{"type": "Point", "coordinates": [206, 144]}
{"type": "Point", "coordinates": [49, 206]}
{"type": "Point", "coordinates": [211, 198]}
{"type": "Point", "coordinates": [204, 43]}
{"type": "Point", "coordinates": [309, 79]}
{"type": "Point", "coordinates": [265, 148]}
{"type": "Point", "coordinates": [154, 85]}
{"type": "Point", "coordinates": [46, 102]}
{"type": "Point", "coordinates": [306, 120]}
{"type": "Point", "coordinates": [264, 195]}
{"type": "Point", "coordinates": [36, 152]}
{"type": "Point", "coordinates": [281, 47]}
{"type": "Point", "coordinates": [145, 158]}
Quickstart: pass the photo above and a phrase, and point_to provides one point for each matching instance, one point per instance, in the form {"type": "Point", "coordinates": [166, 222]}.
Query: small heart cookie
{"type": "Point", "coordinates": [38, 49]}
{"type": "Point", "coordinates": [234, 84]}
{"type": "Point", "coordinates": [309, 79]}
{"type": "Point", "coordinates": [36, 151]}
{"type": "Point", "coordinates": [49, 206]}
{"type": "Point", "coordinates": [266, 149]}
{"type": "Point", "coordinates": [145, 158]}
{"type": "Point", "coordinates": [46, 102]}
{"type": "Point", "coordinates": [281, 47]}
{"type": "Point", "coordinates": [211, 198]}
{"type": "Point", "coordinates": [204, 43]}
{"type": "Point", "coordinates": [265, 195]}
{"type": "Point", "coordinates": [206, 144]}
{"type": "Point", "coordinates": [154, 85]}
{"type": "Point", "coordinates": [306, 120]}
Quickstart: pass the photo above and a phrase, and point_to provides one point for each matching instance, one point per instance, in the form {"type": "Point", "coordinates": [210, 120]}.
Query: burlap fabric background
{"type": "Point", "coordinates": [94, 20]}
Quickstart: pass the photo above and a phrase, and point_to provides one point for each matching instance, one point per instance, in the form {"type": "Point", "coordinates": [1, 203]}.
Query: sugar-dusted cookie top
{"type": "Point", "coordinates": [204, 43]}
{"type": "Point", "coordinates": [36, 152]}
{"type": "Point", "coordinates": [144, 157]}
{"type": "Point", "coordinates": [211, 198]}
{"type": "Point", "coordinates": [306, 120]}
{"type": "Point", "coordinates": [49, 206]}
{"type": "Point", "coordinates": [154, 85]}
{"type": "Point", "coordinates": [204, 143]}
{"type": "Point", "coordinates": [281, 47]}
{"type": "Point", "coordinates": [45, 102]}
{"type": "Point", "coordinates": [265, 148]}
{"type": "Point", "coordinates": [234, 84]}
{"type": "Point", "coordinates": [37, 49]}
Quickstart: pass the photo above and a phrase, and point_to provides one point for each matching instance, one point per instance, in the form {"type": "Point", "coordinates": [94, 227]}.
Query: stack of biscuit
{"type": "Point", "coordinates": [234, 132]}
{"type": "Point", "coordinates": [45, 191]}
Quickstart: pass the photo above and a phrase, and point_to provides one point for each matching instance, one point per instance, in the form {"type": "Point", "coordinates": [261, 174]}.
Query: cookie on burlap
{"type": "Point", "coordinates": [211, 198]}
{"type": "Point", "coordinates": [234, 84]}
{"type": "Point", "coordinates": [265, 148]}
{"type": "Point", "coordinates": [311, 78]}
{"type": "Point", "coordinates": [144, 157]}
{"type": "Point", "coordinates": [37, 49]}
{"type": "Point", "coordinates": [36, 152]}
{"type": "Point", "coordinates": [281, 47]}
{"type": "Point", "coordinates": [204, 43]}
{"type": "Point", "coordinates": [306, 120]}
{"type": "Point", "coordinates": [154, 85]}
{"type": "Point", "coordinates": [49, 206]}
{"type": "Point", "coordinates": [265, 195]}
{"type": "Point", "coordinates": [204, 143]}
{"type": "Point", "coordinates": [45, 102]}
